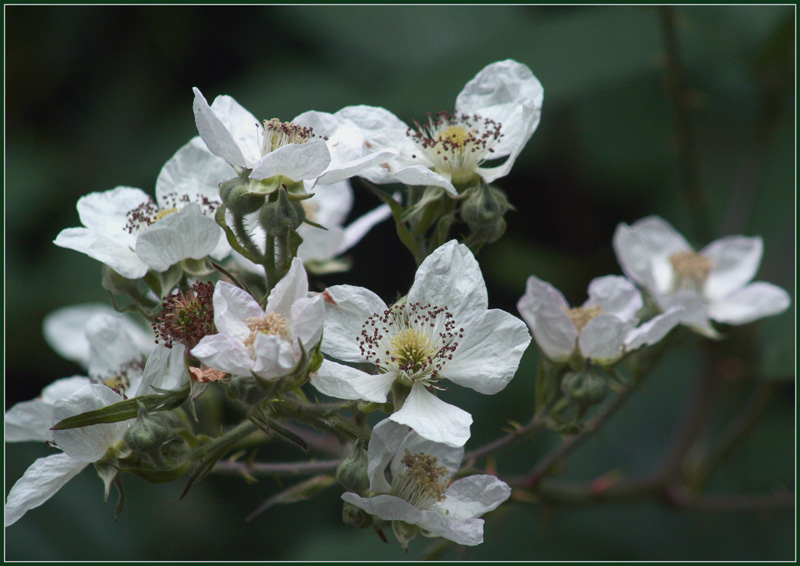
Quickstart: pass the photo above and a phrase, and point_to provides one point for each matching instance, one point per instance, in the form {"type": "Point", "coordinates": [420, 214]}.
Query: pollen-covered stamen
{"type": "Point", "coordinates": [580, 316]}
{"type": "Point", "coordinates": [456, 144]}
{"type": "Point", "coordinates": [148, 213]}
{"type": "Point", "coordinates": [278, 134]}
{"type": "Point", "coordinates": [414, 340]}
{"type": "Point", "coordinates": [186, 318]}
{"type": "Point", "coordinates": [421, 481]}
{"type": "Point", "coordinates": [690, 270]}
{"type": "Point", "coordinates": [271, 324]}
{"type": "Point", "coordinates": [119, 379]}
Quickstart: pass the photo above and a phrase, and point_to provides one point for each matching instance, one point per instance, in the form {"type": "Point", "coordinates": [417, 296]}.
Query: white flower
{"type": "Point", "coordinates": [495, 115]}
{"type": "Point", "coordinates": [125, 229]}
{"type": "Point", "coordinates": [314, 147]}
{"type": "Point", "coordinates": [604, 328]}
{"type": "Point", "coordinates": [713, 283]}
{"type": "Point", "coordinates": [263, 342]}
{"type": "Point", "coordinates": [443, 330]}
{"type": "Point", "coordinates": [410, 479]}
{"type": "Point", "coordinates": [31, 420]}
{"type": "Point", "coordinates": [81, 446]}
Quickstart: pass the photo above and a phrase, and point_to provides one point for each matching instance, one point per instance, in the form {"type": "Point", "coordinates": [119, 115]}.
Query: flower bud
{"type": "Point", "coordinates": [585, 387]}
{"type": "Point", "coordinates": [352, 472]}
{"type": "Point", "coordinates": [235, 194]}
{"type": "Point", "coordinates": [149, 433]}
{"type": "Point", "coordinates": [352, 515]}
{"type": "Point", "coordinates": [483, 209]}
{"type": "Point", "coordinates": [283, 215]}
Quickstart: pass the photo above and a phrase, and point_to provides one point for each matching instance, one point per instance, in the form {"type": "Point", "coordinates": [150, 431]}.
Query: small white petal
{"type": "Point", "coordinates": [165, 369]}
{"type": "Point", "coordinates": [216, 132]}
{"type": "Point", "coordinates": [29, 421]}
{"type": "Point", "coordinates": [603, 336]}
{"type": "Point", "coordinates": [293, 286]}
{"type": "Point", "coordinates": [346, 309]}
{"type": "Point", "coordinates": [735, 261]}
{"type": "Point", "coordinates": [653, 330]}
{"type": "Point", "coordinates": [754, 301]}
{"type": "Point", "coordinates": [274, 356]}
{"type": "Point", "coordinates": [96, 245]}
{"type": "Point", "coordinates": [63, 388]}
{"type": "Point", "coordinates": [616, 295]}
{"type": "Point", "coordinates": [88, 443]}
{"type": "Point", "coordinates": [344, 382]}
{"type": "Point", "coordinates": [385, 442]}
{"type": "Point", "coordinates": [192, 172]}
{"type": "Point", "coordinates": [488, 356]}
{"type": "Point", "coordinates": [330, 204]}
{"type": "Point", "coordinates": [544, 309]}
{"type": "Point", "coordinates": [308, 315]}
{"type": "Point", "coordinates": [39, 483]}
{"type": "Point", "coordinates": [473, 496]}
{"type": "Point", "coordinates": [185, 234]}
{"type": "Point", "coordinates": [225, 353]}
{"type": "Point", "coordinates": [296, 161]}
{"type": "Point", "coordinates": [318, 244]}
{"type": "Point", "coordinates": [65, 330]}
{"type": "Point", "coordinates": [451, 277]}
{"type": "Point", "coordinates": [434, 419]}
{"type": "Point", "coordinates": [113, 343]}
{"type": "Point", "coordinates": [232, 307]}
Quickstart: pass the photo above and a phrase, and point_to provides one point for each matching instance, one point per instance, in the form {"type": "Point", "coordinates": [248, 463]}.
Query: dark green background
{"type": "Point", "coordinates": [98, 97]}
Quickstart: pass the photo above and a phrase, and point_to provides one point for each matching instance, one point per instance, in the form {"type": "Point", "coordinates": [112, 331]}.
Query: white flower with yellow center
{"type": "Point", "coordinates": [495, 115]}
{"type": "Point", "coordinates": [604, 328]}
{"type": "Point", "coordinates": [443, 330]}
{"type": "Point", "coordinates": [712, 284]}
{"type": "Point", "coordinates": [127, 230]}
{"type": "Point", "coordinates": [410, 484]}
{"type": "Point", "coordinates": [267, 343]}
{"type": "Point", "coordinates": [314, 147]}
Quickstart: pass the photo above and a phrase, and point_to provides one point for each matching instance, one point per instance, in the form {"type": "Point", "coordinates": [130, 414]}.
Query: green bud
{"type": "Point", "coordinates": [352, 515]}
{"type": "Point", "coordinates": [404, 532]}
{"type": "Point", "coordinates": [483, 209]}
{"type": "Point", "coordinates": [352, 472]}
{"type": "Point", "coordinates": [116, 284]}
{"type": "Point", "coordinates": [237, 197]}
{"type": "Point", "coordinates": [585, 387]}
{"type": "Point", "coordinates": [149, 433]}
{"type": "Point", "coordinates": [283, 215]}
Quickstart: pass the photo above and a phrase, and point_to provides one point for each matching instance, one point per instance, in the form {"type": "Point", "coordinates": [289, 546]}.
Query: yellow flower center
{"type": "Point", "coordinates": [421, 482]}
{"type": "Point", "coordinates": [580, 316]}
{"type": "Point", "coordinates": [690, 269]}
{"type": "Point", "coordinates": [271, 324]}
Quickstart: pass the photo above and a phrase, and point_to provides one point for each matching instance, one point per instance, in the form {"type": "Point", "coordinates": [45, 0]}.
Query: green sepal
{"type": "Point", "coordinates": [159, 476]}
{"type": "Point", "coordinates": [233, 241]}
{"type": "Point", "coordinates": [125, 410]}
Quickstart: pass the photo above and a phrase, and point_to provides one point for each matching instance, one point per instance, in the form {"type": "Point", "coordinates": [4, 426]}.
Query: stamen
{"type": "Point", "coordinates": [186, 317]}
{"type": "Point", "coordinates": [149, 212]}
{"type": "Point", "coordinates": [421, 482]}
{"type": "Point", "coordinates": [690, 270]}
{"type": "Point", "coordinates": [580, 316]}
{"type": "Point", "coordinates": [272, 324]}
{"type": "Point", "coordinates": [278, 134]}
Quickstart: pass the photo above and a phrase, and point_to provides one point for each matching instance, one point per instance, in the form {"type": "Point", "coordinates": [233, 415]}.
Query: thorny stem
{"type": "Point", "coordinates": [231, 467]}
{"type": "Point", "coordinates": [535, 423]}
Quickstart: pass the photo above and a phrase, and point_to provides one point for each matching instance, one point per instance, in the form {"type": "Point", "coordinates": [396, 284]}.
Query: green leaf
{"type": "Point", "coordinates": [300, 492]}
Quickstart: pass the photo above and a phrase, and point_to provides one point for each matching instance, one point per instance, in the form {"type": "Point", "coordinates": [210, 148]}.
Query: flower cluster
{"type": "Point", "coordinates": [219, 262]}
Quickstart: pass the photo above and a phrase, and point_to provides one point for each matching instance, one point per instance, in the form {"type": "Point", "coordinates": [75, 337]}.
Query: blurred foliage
{"type": "Point", "coordinates": [100, 96]}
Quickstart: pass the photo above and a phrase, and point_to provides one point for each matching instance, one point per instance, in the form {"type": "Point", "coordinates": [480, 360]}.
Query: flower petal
{"type": "Point", "coordinates": [192, 172]}
{"type": "Point", "coordinates": [165, 369]}
{"type": "Point", "coordinates": [754, 301]}
{"type": "Point", "coordinates": [451, 277]}
{"type": "Point", "coordinates": [384, 444]}
{"type": "Point", "coordinates": [29, 421]}
{"type": "Point", "coordinates": [616, 295]}
{"type": "Point", "coordinates": [346, 310]}
{"type": "Point", "coordinates": [308, 316]}
{"type": "Point", "coordinates": [96, 245]}
{"type": "Point", "coordinates": [434, 419]}
{"type": "Point", "coordinates": [296, 161]}
{"type": "Point", "coordinates": [274, 356]}
{"type": "Point", "coordinates": [735, 263]}
{"type": "Point", "coordinates": [319, 245]}
{"type": "Point", "coordinates": [214, 126]}
{"type": "Point", "coordinates": [65, 330]}
{"type": "Point", "coordinates": [225, 353]}
{"type": "Point", "coordinates": [603, 336]}
{"type": "Point", "coordinates": [293, 286]}
{"type": "Point", "coordinates": [330, 204]}
{"type": "Point", "coordinates": [344, 382]}
{"type": "Point", "coordinates": [473, 496]}
{"type": "Point", "coordinates": [185, 234]}
{"type": "Point", "coordinates": [88, 443]}
{"type": "Point", "coordinates": [232, 307]}
{"type": "Point", "coordinates": [114, 342]}
{"type": "Point", "coordinates": [40, 482]}
{"type": "Point", "coordinates": [488, 356]}
{"type": "Point", "coordinates": [653, 330]}
{"type": "Point", "coordinates": [544, 309]}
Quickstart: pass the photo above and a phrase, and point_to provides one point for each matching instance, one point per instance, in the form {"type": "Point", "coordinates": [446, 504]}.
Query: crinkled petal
{"type": "Point", "coordinates": [193, 172]}
{"type": "Point", "coordinates": [644, 246]}
{"type": "Point", "coordinates": [384, 444]}
{"type": "Point", "coordinates": [225, 353]}
{"type": "Point", "coordinates": [88, 443]}
{"type": "Point", "coordinates": [220, 128]}
{"type": "Point", "coordinates": [488, 356]}
{"type": "Point", "coordinates": [39, 483]}
{"type": "Point", "coordinates": [65, 330]}
{"type": "Point", "coordinates": [113, 343]}
{"type": "Point", "coordinates": [96, 245]}
{"type": "Point", "coordinates": [451, 277]}
{"type": "Point", "coordinates": [473, 496]}
{"type": "Point", "coordinates": [505, 91]}
{"type": "Point", "coordinates": [29, 421]}
{"type": "Point", "coordinates": [274, 356]}
{"type": "Point", "coordinates": [63, 388]}
{"type": "Point", "coordinates": [185, 234]}
{"type": "Point", "coordinates": [344, 382]}
{"type": "Point", "coordinates": [432, 418]}
{"type": "Point", "coordinates": [603, 336]}
{"type": "Point", "coordinates": [296, 161]}
{"type": "Point", "coordinates": [468, 532]}
{"type": "Point", "coordinates": [339, 171]}
{"type": "Point", "coordinates": [735, 261]}
{"type": "Point", "coordinates": [653, 330]}
{"type": "Point", "coordinates": [293, 286]}
{"type": "Point", "coordinates": [165, 369]}
{"type": "Point", "coordinates": [346, 310]}
{"type": "Point", "coordinates": [754, 301]}
{"type": "Point", "coordinates": [232, 307]}
{"type": "Point", "coordinates": [544, 309]}
{"type": "Point", "coordinates": [616, 295]}
{"type": "Point", "coordinates": [308, 315]}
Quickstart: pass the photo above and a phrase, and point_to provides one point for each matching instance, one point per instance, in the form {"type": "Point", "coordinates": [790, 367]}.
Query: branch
{"type": "Point", "coordinates": [232, 467]}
